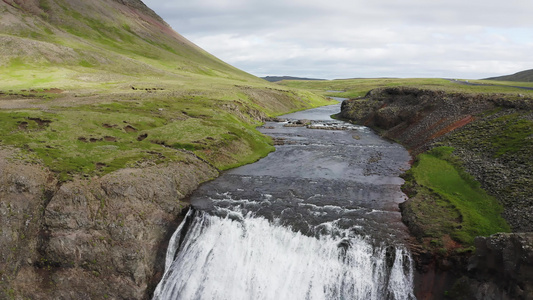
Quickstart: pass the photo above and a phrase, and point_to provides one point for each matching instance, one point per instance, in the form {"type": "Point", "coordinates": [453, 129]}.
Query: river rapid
{"type": "Point", "coordinates": [316, 219]}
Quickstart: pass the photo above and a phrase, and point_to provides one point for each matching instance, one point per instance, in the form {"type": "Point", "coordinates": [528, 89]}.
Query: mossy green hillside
{"type": "Point", "coordinates": [500, 135]}
{"type": "Point", "coordinates": [96, 41]}
{"type": "Point", "coordinates": [504, 138]}
{"type": "Point", "coordinates": [89, 87]}
{"type": "Point", "coordinates": [523, 76]}
{"type": "Point", "coordinates": [448, 201]}
{"type": "Point", "coordinates": [97, 138]}
{"type": "Point", "coordinates": [513, 134]}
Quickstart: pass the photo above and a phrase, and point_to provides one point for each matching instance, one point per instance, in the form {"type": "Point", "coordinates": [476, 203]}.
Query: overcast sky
{"type": "Point", "coordinates": [360, 38]}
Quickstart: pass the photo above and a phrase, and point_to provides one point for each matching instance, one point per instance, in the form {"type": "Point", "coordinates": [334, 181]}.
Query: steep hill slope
{"type": "Point", "coordinates": [108, 120]}
{"type": "Point", "coordinates": [124, 38]}
{"type": "Point", "coordinates": [119, 57]}
{"type": "Point", "coordinates": [523, 76]}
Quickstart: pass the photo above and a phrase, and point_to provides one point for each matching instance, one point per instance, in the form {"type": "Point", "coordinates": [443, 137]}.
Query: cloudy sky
{"type": "Point", "coordinates": [360, 38]}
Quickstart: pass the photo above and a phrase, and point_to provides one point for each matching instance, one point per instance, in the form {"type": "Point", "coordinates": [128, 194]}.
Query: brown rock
{"type": "Point", "coordinates": [98, 238]}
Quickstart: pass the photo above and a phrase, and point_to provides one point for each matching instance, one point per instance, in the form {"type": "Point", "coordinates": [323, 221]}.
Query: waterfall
{"type": "Point", "coordinates": [174, 241]}
{"type": "Point", "coordinates": [248, 257]}
{"type": "Point", "coordinates": [317, 219]}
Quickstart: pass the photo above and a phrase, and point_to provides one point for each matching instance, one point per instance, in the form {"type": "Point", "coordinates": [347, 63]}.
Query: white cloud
{"type": "Point", "coordinates": [359, 38]}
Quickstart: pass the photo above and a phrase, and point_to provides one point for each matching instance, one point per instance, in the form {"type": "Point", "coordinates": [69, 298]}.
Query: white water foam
{"type": "Point", "coordinates": [252, 258]}
{"type": "Point", "coordinates": [174, 242]}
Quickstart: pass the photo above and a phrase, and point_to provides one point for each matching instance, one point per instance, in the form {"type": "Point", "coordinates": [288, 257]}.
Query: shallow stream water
{"type": "Point", "coordinates": [316, 219]}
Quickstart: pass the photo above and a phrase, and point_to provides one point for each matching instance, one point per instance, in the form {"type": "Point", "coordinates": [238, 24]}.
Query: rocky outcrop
{"type": "Point", "coordinates": [24, 192]}
{"type": "Point", "coordinates": [497, 149]}
{"type": "Point", "coordinates": [415, 117]}
{"type": "Point", "coordinates": [500, 269]}
{"type": "Point", "coordinates": [99, 238]}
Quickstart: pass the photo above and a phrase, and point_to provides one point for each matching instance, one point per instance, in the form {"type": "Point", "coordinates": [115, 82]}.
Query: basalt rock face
{"type": "Point", "coordinates": [492, 138]}
{"type": "Point", "coordinates": [23, 196]}
{"type": "Point", "coordinates": [500, 269]}
{"type": "Point", "coordinates": [412, 116]}
{"type": "Point", "coordinates": [103, 238]}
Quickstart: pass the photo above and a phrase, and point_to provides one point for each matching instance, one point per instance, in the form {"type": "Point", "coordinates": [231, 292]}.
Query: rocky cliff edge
{"type": "Point", "coordinates": [98, 238]}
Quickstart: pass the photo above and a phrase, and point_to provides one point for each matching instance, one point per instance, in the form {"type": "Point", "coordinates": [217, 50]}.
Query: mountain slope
{"type": "Point", "coordinates": [103, 35]}
{"type": "Point", "coordinates": [108, 120]}
{"type": "Point", "coordinates": [97, 52]}
{"type": "Point", "coordinates": [523, 76]}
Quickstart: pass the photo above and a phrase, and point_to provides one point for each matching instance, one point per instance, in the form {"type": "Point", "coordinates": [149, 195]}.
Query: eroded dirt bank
{"type": "Point", "coordinates": [492, 138]}
{"type": "Point", "coordinates": [99, 238]}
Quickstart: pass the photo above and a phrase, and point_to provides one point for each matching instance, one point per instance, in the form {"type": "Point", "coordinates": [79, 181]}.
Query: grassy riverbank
{"type": "Point", "coordinates": [447, 201]}
{"type": "Point", "coordinates": [97, 134]}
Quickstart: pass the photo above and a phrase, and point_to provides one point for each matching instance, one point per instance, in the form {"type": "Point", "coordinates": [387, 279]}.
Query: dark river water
{"type": "Point", "coordinates": [316, 219]}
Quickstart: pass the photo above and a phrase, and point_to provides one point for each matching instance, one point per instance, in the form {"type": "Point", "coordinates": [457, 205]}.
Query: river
{"type": "Point", "coordinates": [316, 219]}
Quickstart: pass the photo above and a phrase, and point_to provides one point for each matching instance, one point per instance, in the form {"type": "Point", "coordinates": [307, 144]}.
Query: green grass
{"type": "Point", "coordinates": [515, 136]}
{"type": "Point", "coordinates": [44, 5]}
{"type": "Point", "coordinates": [504, 83]}
{"type": "Point", "coordinates": [195, 113]}
{"type": "Point", "coordinates": [353, 88]}
{"type": "Point", "coordinates": [98, 138]}
{"type": "Point", "coordinates": [184, 100]}
{"type": "Point", "coordinates": [470, 211]}
{"type": "Point", "coordinates": [500, 136]}
{"type": "Point", "coordinates": [57, 143]}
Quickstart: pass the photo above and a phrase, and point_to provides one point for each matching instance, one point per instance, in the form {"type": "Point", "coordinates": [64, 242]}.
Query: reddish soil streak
{"type": "Point", "coordinates": [453, 126]}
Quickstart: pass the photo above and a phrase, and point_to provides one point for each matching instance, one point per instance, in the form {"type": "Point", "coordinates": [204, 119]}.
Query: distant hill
{"type": "Point", "coordinates": [524, 76]}
{"type": "Point", "coordinates": [280, 78]}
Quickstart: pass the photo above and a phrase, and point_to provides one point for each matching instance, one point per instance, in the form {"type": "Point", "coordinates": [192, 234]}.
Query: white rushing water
{"type": "Point", "coordinates": [245, 257]}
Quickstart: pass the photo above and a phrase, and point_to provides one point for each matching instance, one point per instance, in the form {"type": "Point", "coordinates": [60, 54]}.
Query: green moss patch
{"type": "Point", "coordinates": [500, 135]}
{"type": "Point", "coordinates": [517, 134]}
{"type": "Point", "coordinates": [450, 202]}
{"type": "Point", "coordinates": [81, 142]}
